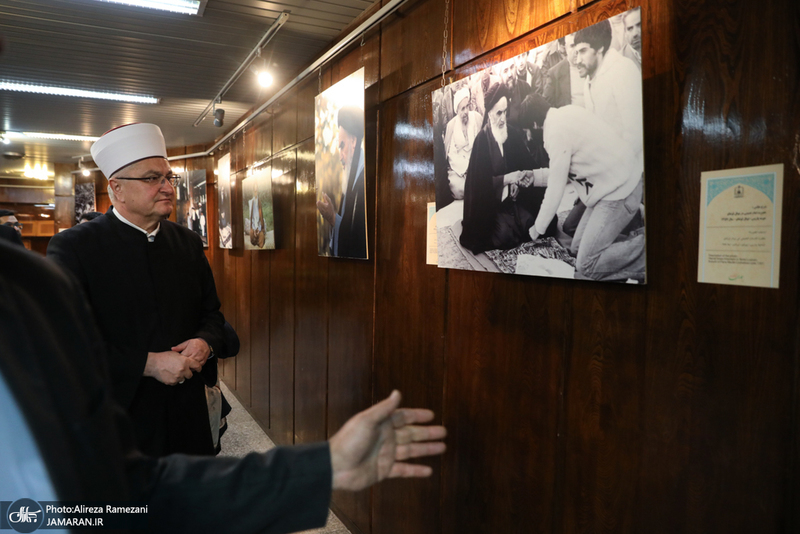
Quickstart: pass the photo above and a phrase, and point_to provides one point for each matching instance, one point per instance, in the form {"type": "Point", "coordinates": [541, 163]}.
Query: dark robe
{"type": "Point", "coordinates": [490, 222]}
{"type": "Point", "coordinates": [148, 297]}
{"type": "Point", "coordinates": [53, 360]}
{"type": "Point", "coordinates": [352, 238]}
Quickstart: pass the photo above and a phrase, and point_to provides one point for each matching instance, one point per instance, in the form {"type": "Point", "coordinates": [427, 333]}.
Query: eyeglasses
{"type": "Point", "coordinates": [13, 224]}
{"type": "Point", "coordinates": [155, 180]}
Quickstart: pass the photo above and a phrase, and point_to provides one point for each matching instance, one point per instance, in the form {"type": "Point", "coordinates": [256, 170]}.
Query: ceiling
{"type": "Point", "coordinates": [183, 60]}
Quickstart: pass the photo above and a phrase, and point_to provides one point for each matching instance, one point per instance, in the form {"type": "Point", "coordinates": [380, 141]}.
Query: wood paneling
{"type": "Point", "coordinates": [410, 301]}
{"type": "Point", "coordinates": [242, 297]}
{"type": "Point", "coordinates": [311, 309]}
{"type": "Point", "coordinates": [260, 330]}
{"type": "Point", "coordinates": [505, 340]}
{"type": "Point", "coordinates": [281, 315]}
{"type": "Point", "coordinates": [572, 407]}
{"type": "Point", "coordinates": [481, 25]}
{"type": "Point", "coordinates": [305, 108]}
{"type": "Point", "coordinates": [721, 368]}
{"type": "Point", "coordinates": [408, 61]}
{"type": "Point", "coordinates": [260, 308]}
{"type": "Point", "coordinates": [284, 123]}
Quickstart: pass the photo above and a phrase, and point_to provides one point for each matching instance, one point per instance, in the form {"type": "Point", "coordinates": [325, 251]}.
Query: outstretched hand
{"type": "Point", "coordinates": [373, 444]}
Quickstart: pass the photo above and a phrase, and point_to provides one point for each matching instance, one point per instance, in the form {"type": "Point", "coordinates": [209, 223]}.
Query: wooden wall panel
{"type": "Point", "coordinates": [311, 308]}
{"type": "Point", "coordinates": [351, 297]}
{"type": "Point", "coordinates": [282, 285]}
{"type": "Point", "coordinates": [409, 300]}
{"type": "Point", "coordinates": [260, 287]}
{"type": "Point", "coordinates": [262, 126]}
{"type": "Point", "coordinates": [603, 412]}
{"type": "Point", "coordinates": [505, 339]}
{"type": "Point", "coordinates": [241, 299]}
{"type": "Point", "coordinates": [229, 290]}
{"type": "Point", "coordinates": [721, 386]}
{"type": "Point", "coordinates": [284, 123]}
{"type": "Point", "coordinates": [261, 263]}
{"type": "Point", "coordinates": [481, 25]}
{"type": "Point", "coordinates": [408, 61]}
{"type": "Point", "coordinates": [572, 407]}
{"type": "Point", "coordinates": [305, 107]}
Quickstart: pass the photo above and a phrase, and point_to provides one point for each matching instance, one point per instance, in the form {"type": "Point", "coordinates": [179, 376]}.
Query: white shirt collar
{"type": "Point", "coordinates": [151, 236]}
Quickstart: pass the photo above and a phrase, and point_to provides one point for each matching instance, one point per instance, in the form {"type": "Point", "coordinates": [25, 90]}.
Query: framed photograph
{"type": "Point", "coordinates": [84, 199]}
{"type": "Point", "coordinates": [340, 186]}
{"type": "Point", "coordinates": [259, 228]}
{"type": "Point", "coordinates": [224, 201]}
{"type": "Point", "coordinates": [538, 160]}
{"type": "Point", "coordinates": [190, 201]}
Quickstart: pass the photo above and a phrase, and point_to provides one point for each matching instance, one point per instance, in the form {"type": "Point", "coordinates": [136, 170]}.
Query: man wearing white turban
{"type": "Point", "coordinates": [152, 293]}
{"type": "Point", "coordinates": [458, 139]}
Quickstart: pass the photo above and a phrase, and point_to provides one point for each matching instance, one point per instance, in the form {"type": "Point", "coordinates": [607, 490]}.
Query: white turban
{"type": "Point", "coordinates": [127, 144]}
{"type": "Point", "coordinates": [461, 94]}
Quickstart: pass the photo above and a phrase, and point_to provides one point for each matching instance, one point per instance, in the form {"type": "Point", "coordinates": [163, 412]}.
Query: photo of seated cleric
{"type": "Point", "coordinates": [539, 163]}
{"type": "Point", "coordinates": [103, 395]}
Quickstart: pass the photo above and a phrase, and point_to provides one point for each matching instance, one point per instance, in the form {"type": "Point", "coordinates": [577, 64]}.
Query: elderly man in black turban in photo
{"type": "Point", "coordinates": [349, 223]}
{"type": "Point", "coordinates": [505, 182]}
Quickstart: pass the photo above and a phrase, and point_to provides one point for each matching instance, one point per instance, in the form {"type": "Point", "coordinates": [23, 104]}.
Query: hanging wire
{"type": "Point", "coordinates": [444, 39]}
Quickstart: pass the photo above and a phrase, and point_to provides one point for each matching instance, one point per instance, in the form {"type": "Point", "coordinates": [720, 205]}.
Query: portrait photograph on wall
{"type": "Point", "coordinates": [224, 201]}
{"type": "Point", "coordinates": [340, 185]}
{"type": "Point", "coordinates": [84, 199]}
{"type": "Point", "coordinates": [190, 202]}
{"type": "Point", "coordinates": [538, 160]}
{"type": "Point", "coordinates": [259, 229]}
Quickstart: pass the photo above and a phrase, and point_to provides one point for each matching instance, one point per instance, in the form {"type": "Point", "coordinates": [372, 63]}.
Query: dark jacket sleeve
{"type": "Point", "coordinates": [53, 359]}
{"type": "Point", "coordinates": [286, 489]}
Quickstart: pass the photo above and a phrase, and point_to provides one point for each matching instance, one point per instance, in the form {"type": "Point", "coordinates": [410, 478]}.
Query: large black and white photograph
{"type": "Point", "coordinates": [339, 169]}
{"type": "Point", "coordinates": [84, 199]}
{"type": "Point", "coordinates": [539, 164]}
{"type": "Point", "coordinates": [190, 202]}
{"type": "Point", "coordinates": [224, 201]}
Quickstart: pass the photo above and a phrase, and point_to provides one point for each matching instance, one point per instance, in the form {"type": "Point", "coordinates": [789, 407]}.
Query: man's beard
{"type": "Point", "coordinates": [500, 134]}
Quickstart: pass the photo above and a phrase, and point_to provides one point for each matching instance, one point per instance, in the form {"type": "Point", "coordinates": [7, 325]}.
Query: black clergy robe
{"type": "Point", "coordinates": [352, 236]}
{"type": "Point", "coordinates": [148, 297]}
{"type": "Point", "coordinates": [491, 222]}
{"type": "Point", "coordinates": [53, 360]}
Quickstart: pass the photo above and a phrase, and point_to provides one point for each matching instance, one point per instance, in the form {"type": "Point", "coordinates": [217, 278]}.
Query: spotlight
{"type": "Point", "coordinates": [264, 78]}
{"type": "Point", "coordinates": [219, 117]}
{"type": "Point", "coordinates": [83, 169]}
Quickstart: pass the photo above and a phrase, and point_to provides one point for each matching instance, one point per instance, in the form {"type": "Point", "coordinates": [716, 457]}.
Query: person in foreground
{"type": "Point", "coordinates": [66, 439]}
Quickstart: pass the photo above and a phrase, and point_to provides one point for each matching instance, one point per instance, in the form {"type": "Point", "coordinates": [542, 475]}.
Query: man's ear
{"type": "Point", "coordinates": [116, 186]}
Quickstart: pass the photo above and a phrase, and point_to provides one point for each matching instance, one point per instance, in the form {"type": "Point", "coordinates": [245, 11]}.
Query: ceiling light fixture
{"type": "Point", "coordinates": [264, 78]}
{"type": "Point", "coordinates": [187, 7]}
{"type": "Point", "coordinates": [53, 136]}
{"type": "Point", "coordinates": [255, 53]}
{"type": "Point", "coordinates": [78, 93]}
{"type": "Point", "coordinates": [38, 171]}
{"type": "Point", "coordinates": [219, 117]}
{"type": "Point", "coordinates": [83, 169]}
